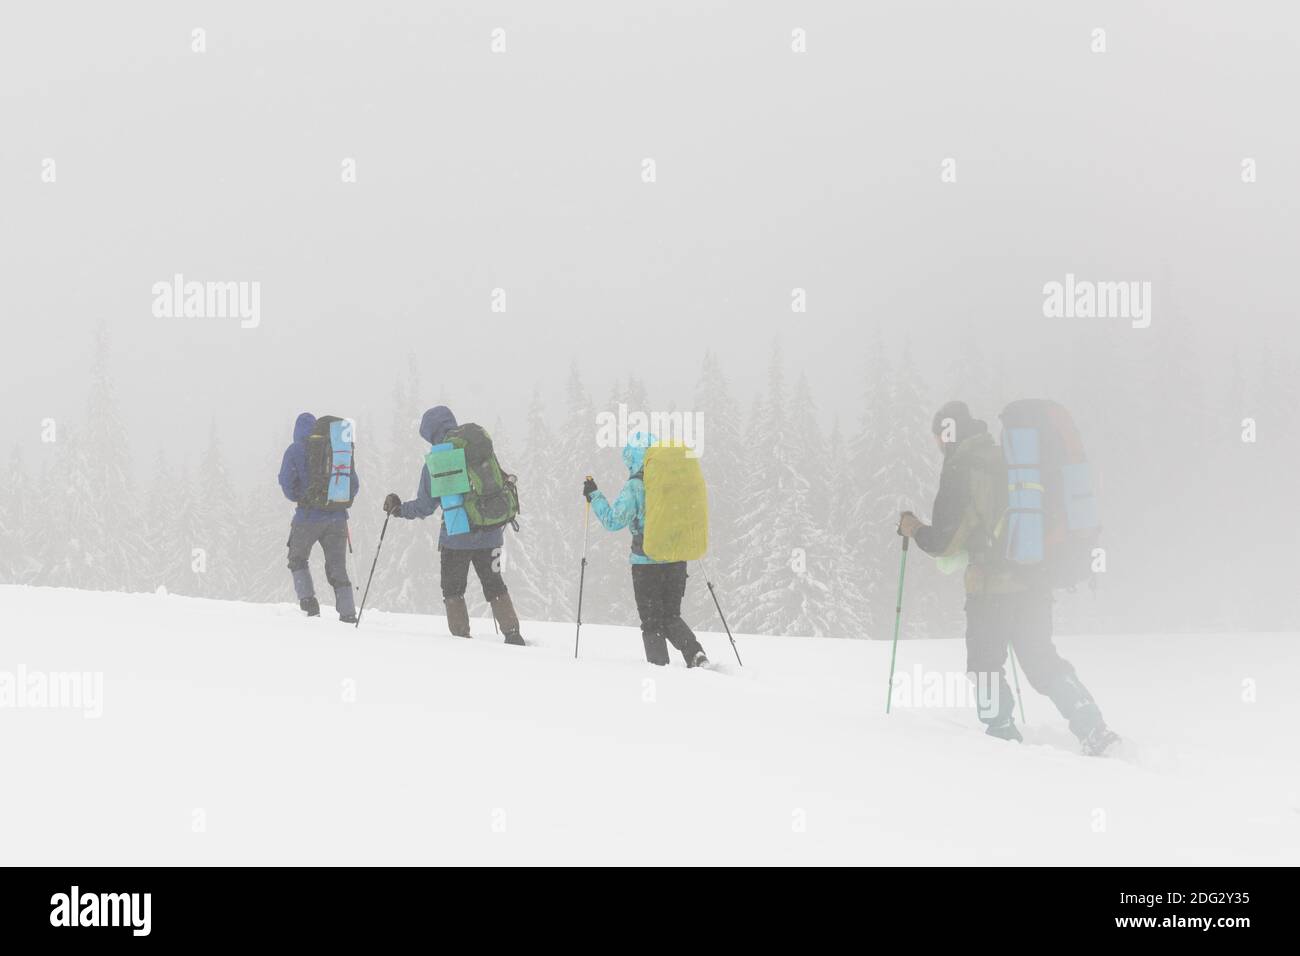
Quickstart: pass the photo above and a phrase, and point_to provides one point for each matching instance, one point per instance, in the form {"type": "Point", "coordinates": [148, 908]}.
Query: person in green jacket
{"type": "Point", "coordinates": [1002, 607]}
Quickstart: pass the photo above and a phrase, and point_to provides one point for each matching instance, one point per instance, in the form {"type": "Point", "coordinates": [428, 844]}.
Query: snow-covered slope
{"type": "Point", "coordinates": [235, 733]}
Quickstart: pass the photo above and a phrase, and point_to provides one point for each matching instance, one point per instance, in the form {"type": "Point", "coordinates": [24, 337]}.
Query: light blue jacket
{"type": "Point", "coordinates": [628, 509]}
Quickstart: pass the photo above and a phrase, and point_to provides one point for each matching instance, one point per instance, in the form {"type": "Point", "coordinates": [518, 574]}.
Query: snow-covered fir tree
{"type": "Point", "coordinates": [19, 521]}
{"type": "Point", "coordinates": [844, 578]}
{"type": "Point", "coordinates": [780, 589]}
{"type": "Point", "coordinates": [872, 513]}
{"type": "Point", "coordinates": [537, 583]}
{"type": "Point", "coordinates": [723, 462]}
{"type": "Point", "coordinates": [217, 513]}
{"type": "Point", "coordinates": [167, 564]}
{"type": "Point", "coordinates": [910, 480]}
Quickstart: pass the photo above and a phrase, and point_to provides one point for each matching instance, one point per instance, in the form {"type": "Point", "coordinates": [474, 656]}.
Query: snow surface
{"type": "Point", "coordinates": [234, 716]}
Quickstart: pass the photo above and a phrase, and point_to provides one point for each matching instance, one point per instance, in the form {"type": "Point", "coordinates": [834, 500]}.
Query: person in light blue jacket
{"type": "Point", "coordinates": [480, 547]}
{"type": "Point", "coordinates": [658, 586]}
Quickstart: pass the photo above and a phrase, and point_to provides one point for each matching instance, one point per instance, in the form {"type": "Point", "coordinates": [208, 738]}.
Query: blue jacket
{"type": "Point", "coordinates": [434, 426]}
{"type": "Point", "coordinates": [293, 474]}
{"type": "Point", "coordinates": [628, 509]}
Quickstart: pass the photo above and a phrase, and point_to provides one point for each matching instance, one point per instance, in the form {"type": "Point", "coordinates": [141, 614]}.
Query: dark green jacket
{"type": "Point", "coordinates": [969, 512]}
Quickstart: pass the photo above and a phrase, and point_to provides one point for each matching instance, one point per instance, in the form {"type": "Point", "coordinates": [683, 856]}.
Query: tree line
{"type": "Point", "coordinates": [803, 504]}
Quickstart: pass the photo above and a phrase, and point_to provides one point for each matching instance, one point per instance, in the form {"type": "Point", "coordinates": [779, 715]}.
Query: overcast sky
{"type": "Point", "coordinates": [523, 170]}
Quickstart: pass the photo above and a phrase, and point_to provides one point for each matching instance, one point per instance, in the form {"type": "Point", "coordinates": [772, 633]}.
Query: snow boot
{"type": "Point", "coordinates": [683, 638]}
{"type": "Point", "coordinates": [1076, 706]}
{"type": "Point", "coordinates": [1005, 730]}
{"type": "Point", "coordinates": [457, 616]}
{"type": "Point", "coordinates": [504, 612]}
{"type": "Point", "coordinates": [345, 604]}
{"type": "Point", "coordinates": [699, 660]}
{"type": "Point", "coordinates": [311, 606]}
{"type": "Point", "coordinates": [1095, 744]}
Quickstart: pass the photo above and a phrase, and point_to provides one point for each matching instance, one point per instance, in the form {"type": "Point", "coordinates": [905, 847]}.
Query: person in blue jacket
{"type": "Point", "coordinates": [658, 586]}
{"type": "Point", "coordinates": [480, 547]}
{"type": "Point", "coordinates": [310, 525]}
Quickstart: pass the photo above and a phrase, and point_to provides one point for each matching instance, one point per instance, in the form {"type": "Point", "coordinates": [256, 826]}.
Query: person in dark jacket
{"type": "Point", "coordinates": [311, 525]}
{"type": "Point", "coordinates": [480, 547]}
{"type": "Point", "coordinates": [658, 586]}
{"type": "Point", "coordinates": [1003, 608]}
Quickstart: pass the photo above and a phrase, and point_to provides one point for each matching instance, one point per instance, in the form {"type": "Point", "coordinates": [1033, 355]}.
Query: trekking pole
{"type": "Point", "coordinates": [366, 593]}
{"type": "Point", "coordinates": [582, 574]}
{"type": "Point", "coordinates": [898, 617]}
{"type": "Point", "coordinates": [714, 594]}
{"type": "Point", "coordinates": [1015, 674]}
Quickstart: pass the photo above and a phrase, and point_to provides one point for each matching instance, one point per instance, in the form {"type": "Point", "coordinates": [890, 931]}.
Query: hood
{"type": "Point", "coordinates": [435, 424]}
{"type": "Point", "coordinates": [971, 428]}
{"type": "Point", "coordinates": [303, 426]}
{"type": "Point", "coordinates": [634, 451]}
{"type": "Point", "coordinates": [976, 434]}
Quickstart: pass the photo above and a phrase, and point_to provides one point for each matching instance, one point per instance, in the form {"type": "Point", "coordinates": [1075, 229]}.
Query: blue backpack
{"type": "Point", "coordinates": [329, 465]}
{"type": "Point", "coordinates": [1052, 520]}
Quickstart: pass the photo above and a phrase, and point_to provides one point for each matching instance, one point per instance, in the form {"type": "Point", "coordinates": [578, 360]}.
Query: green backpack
{"type": "Point", "coordinates": [492, 495]}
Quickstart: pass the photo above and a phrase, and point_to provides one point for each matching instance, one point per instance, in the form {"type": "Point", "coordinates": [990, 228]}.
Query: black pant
{"type": "Point", "coordinates": [658, 589]}
{"type": "Point", "coordinates": [455, 572]}
{"type": "Point", "coordinates": [1024, 621]}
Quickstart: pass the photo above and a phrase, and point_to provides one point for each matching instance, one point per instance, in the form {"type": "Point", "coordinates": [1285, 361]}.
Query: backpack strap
{"type": "Point", "coordinates": [638, 537]}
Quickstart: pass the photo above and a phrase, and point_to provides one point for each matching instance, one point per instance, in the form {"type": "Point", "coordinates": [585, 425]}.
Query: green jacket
{"type": "Point", "coordinates": [969, 513]}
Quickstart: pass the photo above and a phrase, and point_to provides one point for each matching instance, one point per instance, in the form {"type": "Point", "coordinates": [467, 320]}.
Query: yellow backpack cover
{"type": "Point", "coordinates": [676, 505]}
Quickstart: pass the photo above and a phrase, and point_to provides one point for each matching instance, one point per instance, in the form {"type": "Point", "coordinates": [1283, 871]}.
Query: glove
{"type": "Point", "coordinates": [392, 504]}
{"type": "Point", "coordinates": [588, 488]}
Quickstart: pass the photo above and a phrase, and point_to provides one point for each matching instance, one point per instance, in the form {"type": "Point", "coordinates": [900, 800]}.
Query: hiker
{"type": "Point", "coordinates": [658, 586]}
{"type": "Point", "coordinates": [1006, 604]}
{"type": "Point", "coordinates": [316, 473]}
{"type": "Point", "coordinates": [460, 542]}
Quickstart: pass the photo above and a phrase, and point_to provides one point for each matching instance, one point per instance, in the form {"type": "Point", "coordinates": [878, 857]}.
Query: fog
{"type": "Point", "coordinates": [416, 207]}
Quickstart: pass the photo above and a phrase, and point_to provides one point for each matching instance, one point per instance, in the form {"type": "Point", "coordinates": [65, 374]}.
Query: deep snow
{"type": "Point", "coordinates": [236, 717]}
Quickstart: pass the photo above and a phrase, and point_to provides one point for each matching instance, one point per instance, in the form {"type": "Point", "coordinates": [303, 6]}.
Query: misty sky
{"type": "Point", "coordinates": [523, 171]}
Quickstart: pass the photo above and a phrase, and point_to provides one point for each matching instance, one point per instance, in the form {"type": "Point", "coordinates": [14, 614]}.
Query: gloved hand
{"type": "Point", "coordinates": [392, 504]}
{"type": "Point", "coordinates": [588, 488]}
{"type": "Point", "coordinates": [908, 524]}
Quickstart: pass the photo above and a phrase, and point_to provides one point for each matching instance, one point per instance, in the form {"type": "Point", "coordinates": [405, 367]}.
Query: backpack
{"type": "Point", "coordinates": [1052, 521]}
{"type": "Point", "coordinates": [467, 465]}
{"type": "Point", "coordinates": [676, 524]}
{"type": "Point", "coordinates": [329, 465]}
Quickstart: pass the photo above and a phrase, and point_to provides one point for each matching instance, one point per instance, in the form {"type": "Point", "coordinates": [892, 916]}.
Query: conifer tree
{"type": "Point", "coordinates": [723, 462]}
{"type": "Point", "coordinates": [844, 578]}
{"type": "Point", "coordinates": [781, 592]}
{"type": "Point", "coordinates": [216, 525]}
